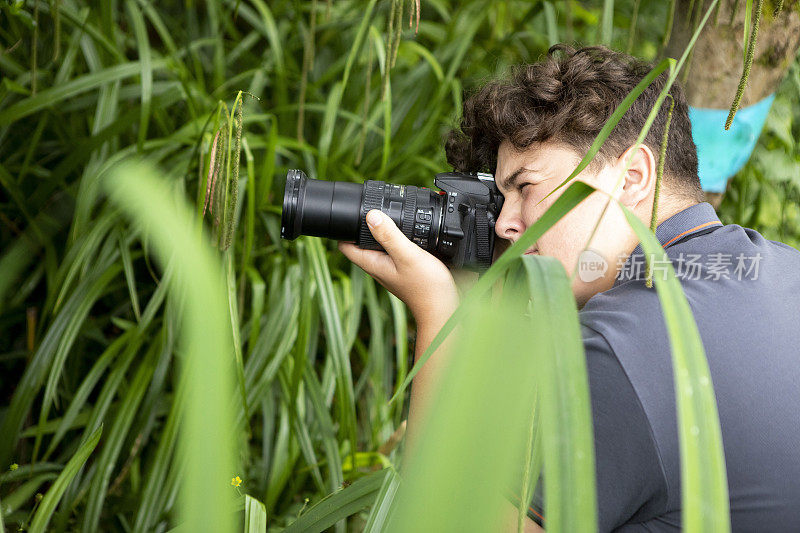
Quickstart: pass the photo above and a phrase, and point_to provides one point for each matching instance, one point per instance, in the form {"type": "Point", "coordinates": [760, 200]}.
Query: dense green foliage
{"type": "Point", "coordinates": [89, 328]}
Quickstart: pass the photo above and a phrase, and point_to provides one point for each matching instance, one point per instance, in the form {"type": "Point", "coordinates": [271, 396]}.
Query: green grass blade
{"type": "Point", "coordinates": [567, 438]}
{"type": "Point", "coordinates": [379, 514]}
{"type": "Point", "coordinates": [339, 505]}
{"type": "Point", "coordinates": [112, 445]}
{"type": "Point", "coordinates": [233, 312]}
{"type": "Point", "coordinates": [255, 515]}
{"type": "Point", "coordinates": [301, 433]}
{"type": "Point", "coordinates": [258, 292]}
{"type": "Point", "coordinates": [85, 251]}
{"type": "Point", "coordinates": [607, 27]}
{"type": "Point", "coordinates": [426, 54]}
{"type": "Point", "coordinates": [282, 460]}
{"type": "Point", "coordinates": [275, 342]}
{"type": "Point", "coordinates": [42, 517]}
{"type": "Point", "coordinates": [550, 23]}
{"type": "Point", "coordinates": [475, 433]}
{"type": "Point", "coordinates": [270, 31]}
{"type": "Point", "coordinates": [387, 127]}
{"type": "Point", "coordinates": [358, 41]}
{"type": "Point", "coordinates": [83, 27]}
{"type": "Point", "coordinates": [268, 169]}
{"type": "Point", "coordinates": [335, 331]}
{"type": "Point", "coordinates": [250, 220]}
{"type": "Point", "coordinates": [748, 17]}
{"type": "Point", "coordinates": [130, 277]}
{"type": "Point", "coordinates": [328, 125]}
{"type": "Point", "coordinates": [400, 321]}
{"type": "Point", "coordinates": [326, 431]}
{"type": "Point", "coordinates": [87, 385]}
{"type": "Point", "coordinates": [87, 82]}
{"type": "Point", "coordinates": [704, 483]}
{"type": "Point", "coordinates": [152, 500]}
{"type": "Point", "coordinates": [307, 313]}
{"type": "Point", "coordinates": [143, 45]}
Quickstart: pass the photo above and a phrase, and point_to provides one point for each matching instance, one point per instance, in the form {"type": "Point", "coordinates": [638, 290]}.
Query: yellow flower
{"type": "Point", "coordinates": [13, 467]}
{"type": "Point", "coordinates": [236, 481]}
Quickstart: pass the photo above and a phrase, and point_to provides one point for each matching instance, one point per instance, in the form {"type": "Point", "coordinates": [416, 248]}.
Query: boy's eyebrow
{"type": "Point", "coordinates": [511, 180]}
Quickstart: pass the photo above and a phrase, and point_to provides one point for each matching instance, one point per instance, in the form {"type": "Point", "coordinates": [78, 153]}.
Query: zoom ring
{"type": "Point", "coordinates": [482, 238]}
{"type": "Point", "coordinates": [373, 199]}
{"type": "Point", "coordinates": [409, 210]}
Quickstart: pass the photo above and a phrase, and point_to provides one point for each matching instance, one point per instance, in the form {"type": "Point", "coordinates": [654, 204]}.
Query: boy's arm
{"type": "Point", "coordinates": [426, 380]}
{"type": "Point", "coordinates": [428, 288]}
{"type": "Point", "coordinates": [424, 387]}
{"type": "Point", "coordinates": [425, 285]}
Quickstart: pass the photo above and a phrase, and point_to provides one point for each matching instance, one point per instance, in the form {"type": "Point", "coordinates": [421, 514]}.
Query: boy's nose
{"type": "Point", "coordinates": [508, 227]}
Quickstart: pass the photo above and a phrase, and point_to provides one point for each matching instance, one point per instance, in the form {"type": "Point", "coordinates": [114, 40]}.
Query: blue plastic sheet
{"type": "Point", "coordinates": [722, 153]}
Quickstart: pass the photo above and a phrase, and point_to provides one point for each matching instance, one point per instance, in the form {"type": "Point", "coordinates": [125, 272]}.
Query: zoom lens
{"type": "Point", "coordinates": [320, 208]}
{"type": "Point", "coordinates": [338, 210]}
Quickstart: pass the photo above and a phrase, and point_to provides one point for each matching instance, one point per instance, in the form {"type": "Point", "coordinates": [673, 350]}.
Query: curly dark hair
{"type": "Point", "coordinates": [568, 97]}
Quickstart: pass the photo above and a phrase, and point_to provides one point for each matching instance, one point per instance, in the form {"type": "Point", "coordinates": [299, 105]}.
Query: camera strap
{"type": "Point", "coordinates": [482, 238]}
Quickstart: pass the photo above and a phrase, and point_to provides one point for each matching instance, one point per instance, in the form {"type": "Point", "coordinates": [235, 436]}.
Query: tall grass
{"type": "Point", "coordinates": [103, 269]}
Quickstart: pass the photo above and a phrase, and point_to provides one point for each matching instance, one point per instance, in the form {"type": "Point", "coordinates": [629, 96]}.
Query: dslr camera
{"type": "Point", "coordinates": [455, 223]}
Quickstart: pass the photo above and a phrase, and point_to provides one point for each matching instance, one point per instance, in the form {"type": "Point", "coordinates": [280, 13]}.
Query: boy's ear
{"type": "Point", "coordinates": [640, 177]}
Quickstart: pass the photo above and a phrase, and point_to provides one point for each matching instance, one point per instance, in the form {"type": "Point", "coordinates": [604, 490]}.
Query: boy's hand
{"type": "Point", "coordinates": [412, 274]}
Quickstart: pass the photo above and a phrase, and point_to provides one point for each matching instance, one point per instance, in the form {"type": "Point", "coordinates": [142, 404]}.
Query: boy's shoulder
{"type": "Point", "coordinates": [742, 292]}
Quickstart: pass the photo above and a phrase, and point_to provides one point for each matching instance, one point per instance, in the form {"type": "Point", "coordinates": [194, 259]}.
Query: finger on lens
{"type": "Point", "coordinates": [361, 256]}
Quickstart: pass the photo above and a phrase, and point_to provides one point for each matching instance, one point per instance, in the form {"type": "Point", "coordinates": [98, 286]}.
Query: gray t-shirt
{"type": "Point", "coordinates": [744, 291]}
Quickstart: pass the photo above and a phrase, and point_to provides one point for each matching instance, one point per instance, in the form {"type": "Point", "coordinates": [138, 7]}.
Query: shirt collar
{"type": "Point", "coordinates": [694, 218]}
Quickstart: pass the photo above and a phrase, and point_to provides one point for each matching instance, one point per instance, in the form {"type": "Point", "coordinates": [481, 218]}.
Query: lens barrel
{"type": "Point", "coordinates": [320, 208]}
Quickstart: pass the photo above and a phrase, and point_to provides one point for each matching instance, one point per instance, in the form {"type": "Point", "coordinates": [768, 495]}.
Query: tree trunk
{"type": "Point", "coordinates": [716, 64]}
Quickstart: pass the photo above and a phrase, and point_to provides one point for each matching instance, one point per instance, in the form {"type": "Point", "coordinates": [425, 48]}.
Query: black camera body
{"type": "Point", "coordinates": [455, 224]}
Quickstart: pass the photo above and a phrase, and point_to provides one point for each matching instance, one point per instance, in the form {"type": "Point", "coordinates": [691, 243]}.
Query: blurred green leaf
{"type": "Point", "coordinates": [207, 439]}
